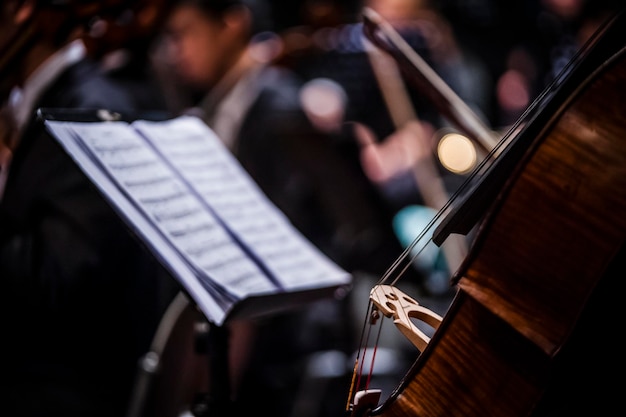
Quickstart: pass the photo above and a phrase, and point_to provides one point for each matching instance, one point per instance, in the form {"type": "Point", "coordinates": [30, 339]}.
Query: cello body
{"type": "Point", "coordinates": [533, 328]}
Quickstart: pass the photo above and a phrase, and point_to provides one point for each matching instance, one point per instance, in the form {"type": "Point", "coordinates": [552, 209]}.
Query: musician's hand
{"type": "Point", "coordinates": [396, 154]}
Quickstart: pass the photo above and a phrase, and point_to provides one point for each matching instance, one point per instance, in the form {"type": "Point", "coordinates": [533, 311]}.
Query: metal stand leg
{"type": "Point", "coordinates": [217, 402]}
{"type": "Point", "coordinates": [169, 382]}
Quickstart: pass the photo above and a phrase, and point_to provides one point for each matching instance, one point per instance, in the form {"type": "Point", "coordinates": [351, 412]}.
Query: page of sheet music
{"type": "Point", "coordinates": [187, 223]}
{"type": "Point", "coordinates": [215, 308]}
{"type": "Point", "coordinates": [199, 155]}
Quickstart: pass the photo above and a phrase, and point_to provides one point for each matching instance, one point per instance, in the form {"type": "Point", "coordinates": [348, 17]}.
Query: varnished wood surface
{"type": "Point", "coordinates": [562, 221]}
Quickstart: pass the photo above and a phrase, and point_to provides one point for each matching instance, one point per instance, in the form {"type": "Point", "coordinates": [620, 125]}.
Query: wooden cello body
{"type": "Point", "coordinates": [533, 328]}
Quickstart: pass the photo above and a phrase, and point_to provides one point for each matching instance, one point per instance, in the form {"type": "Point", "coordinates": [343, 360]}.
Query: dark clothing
{"type": "Point", "coordinates": [81, 296]}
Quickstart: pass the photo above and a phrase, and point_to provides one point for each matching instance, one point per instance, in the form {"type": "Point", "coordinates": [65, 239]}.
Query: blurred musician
{"type": "Point", "coordinates": [80, 297]}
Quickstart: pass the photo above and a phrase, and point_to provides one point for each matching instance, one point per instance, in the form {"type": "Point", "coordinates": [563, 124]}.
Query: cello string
{"type": "Point", "coordinates": [357, 370]}
{"type": "Point", "coordinates": [478, 172]}
{"type": "Point", "coordinates": [371, 368]}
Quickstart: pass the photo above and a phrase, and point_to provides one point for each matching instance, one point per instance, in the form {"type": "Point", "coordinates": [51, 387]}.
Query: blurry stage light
{"type": "Point", "coordinates": [456, 153]}
{"type": "Point", "coordinates": [324, 102]}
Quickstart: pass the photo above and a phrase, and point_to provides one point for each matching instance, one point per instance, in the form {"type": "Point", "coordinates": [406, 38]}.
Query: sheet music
{"type": "Point", "coordinates": [200, 213]}
{"type": "Point", "coordinates": [186, 222]}
{"type": "Point", "coordinates": [213, 308]}
{"type": "Point", "coordinates": [201, 158]}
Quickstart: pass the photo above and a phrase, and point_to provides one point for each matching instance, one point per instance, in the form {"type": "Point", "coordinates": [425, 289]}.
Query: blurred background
{"type": "Point", "coordinates": [496, 56]}
{"type": "Point", "coordinates": [357, 156]}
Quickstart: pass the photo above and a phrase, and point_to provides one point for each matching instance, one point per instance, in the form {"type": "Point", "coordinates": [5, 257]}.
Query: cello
{"type": "Point", "coordinates": [532, 329]}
